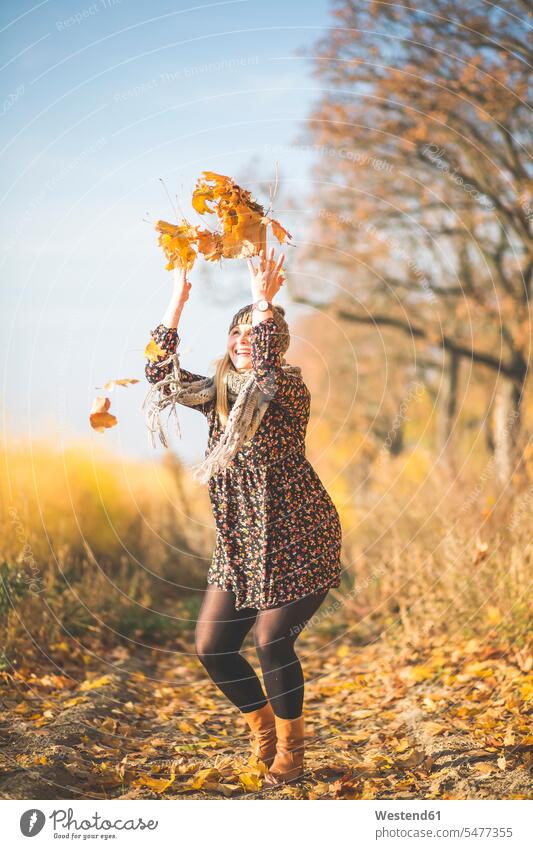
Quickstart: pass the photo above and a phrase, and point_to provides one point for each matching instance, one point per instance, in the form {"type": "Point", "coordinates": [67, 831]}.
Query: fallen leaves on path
{"type": "Point", "coordinates": [382, 721]}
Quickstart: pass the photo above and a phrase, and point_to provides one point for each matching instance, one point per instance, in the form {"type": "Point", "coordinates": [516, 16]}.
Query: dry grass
{"type": "Point", "coordinates": [434, 552]}
{"type": "Point", "coordinates": [90, 543]}
{"type": "Point", "coordinates": [94, 546]}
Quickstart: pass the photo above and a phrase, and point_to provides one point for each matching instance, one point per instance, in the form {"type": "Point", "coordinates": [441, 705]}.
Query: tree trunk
{"type": "Point", "coordinates": [506, 425]}
{"type": "Point", "coordinates": [448, 402]}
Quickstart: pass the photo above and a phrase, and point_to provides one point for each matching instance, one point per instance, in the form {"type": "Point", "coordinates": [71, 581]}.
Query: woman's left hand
{"type": "Point", "coordinates": [268, 278]}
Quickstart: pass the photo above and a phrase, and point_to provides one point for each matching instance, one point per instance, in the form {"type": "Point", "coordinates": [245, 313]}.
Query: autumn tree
{"type": "Point", "coordinates": [422, 206]}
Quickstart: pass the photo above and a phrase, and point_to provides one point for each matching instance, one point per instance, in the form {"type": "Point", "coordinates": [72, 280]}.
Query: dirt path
{"type": "Point", "coordinates": [383, 721]}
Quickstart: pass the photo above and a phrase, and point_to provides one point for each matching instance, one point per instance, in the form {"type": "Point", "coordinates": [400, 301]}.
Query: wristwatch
{"type": "Point", "coordinates": [262, 304]}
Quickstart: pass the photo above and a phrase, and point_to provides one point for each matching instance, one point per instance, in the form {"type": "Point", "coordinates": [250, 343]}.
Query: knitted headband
{"type": "Point", "coordinates": [244, 316]}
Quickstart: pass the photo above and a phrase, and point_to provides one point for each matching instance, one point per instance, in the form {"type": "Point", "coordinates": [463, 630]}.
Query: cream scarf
{"type": "Point", "coordinates": [249, 402]}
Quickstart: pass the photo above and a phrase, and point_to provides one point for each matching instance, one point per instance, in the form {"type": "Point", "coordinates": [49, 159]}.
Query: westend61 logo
{"type": "Point", "coordinates": [33, 820]}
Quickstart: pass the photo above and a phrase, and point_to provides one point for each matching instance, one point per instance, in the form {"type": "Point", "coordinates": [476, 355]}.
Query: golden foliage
{"type": "Point", "coordinates": [243, 221]}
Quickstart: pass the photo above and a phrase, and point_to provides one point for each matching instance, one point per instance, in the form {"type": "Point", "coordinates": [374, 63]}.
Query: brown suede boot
{"type": "Point", "coordinates": [263, 727]}
{"type": "Point", "coordinates": [288, 763]}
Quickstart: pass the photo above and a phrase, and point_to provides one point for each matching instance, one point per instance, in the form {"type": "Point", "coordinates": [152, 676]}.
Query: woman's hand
{"type": "Point", "coordinates": [180, 293]}
{"type": "Point", "coordinates": [182, 287]}
{"type": "Point", "coordinates": [267, 278]}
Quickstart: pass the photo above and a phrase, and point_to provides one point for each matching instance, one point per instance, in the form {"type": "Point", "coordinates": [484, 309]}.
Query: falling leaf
{"type": "Point", "coordinates": [100, 418]}
{"type": "Point", "coordinates": [123, 381]}
{"type": "Point", "coordinates": [279, 232]}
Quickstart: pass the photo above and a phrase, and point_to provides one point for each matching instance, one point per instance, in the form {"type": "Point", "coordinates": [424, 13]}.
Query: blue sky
{"type": "Point", "coordinates": [101, 100]}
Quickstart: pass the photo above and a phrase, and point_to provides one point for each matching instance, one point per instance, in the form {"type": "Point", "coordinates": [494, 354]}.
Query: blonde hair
{"type": "Point", "coordinates": [225, 364]}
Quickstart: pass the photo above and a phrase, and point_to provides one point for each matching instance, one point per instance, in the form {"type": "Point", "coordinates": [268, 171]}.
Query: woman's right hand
{"type": "Point", "coordinates": [180, 293]}
{"type": "Point", "coordinates": [182, 287]}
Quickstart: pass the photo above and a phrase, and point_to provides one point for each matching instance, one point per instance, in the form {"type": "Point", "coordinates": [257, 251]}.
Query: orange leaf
{"type": "Point", "coordinates": [280, 232]}
{"type": "Point", "coordinates": [100, 418]}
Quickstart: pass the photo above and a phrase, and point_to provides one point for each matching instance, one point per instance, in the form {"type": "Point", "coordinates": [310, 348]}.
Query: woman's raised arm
{"type": "Point", "coordinates": [180, 294]}
{"type": "Point", "coordinates": [166, 336]}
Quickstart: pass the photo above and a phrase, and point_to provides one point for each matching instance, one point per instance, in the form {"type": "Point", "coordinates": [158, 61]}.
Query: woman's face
{"type": "Point", "coordinates": [239, 347]}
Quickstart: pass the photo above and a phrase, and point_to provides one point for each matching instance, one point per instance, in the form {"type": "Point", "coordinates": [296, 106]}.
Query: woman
{"type": "Point", "coordinates": [278, 539]}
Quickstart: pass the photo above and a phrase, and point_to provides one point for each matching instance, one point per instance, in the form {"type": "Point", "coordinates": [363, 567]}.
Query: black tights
{"type": "Point", "coordinates": [220, 633]}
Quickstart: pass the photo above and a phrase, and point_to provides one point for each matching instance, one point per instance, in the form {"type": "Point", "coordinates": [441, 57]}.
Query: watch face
{"type": "Point", "coordinates": [262, 304]}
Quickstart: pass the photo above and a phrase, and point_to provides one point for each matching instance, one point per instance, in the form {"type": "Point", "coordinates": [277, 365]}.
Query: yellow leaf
{"type": "Point", "coordinates": [250, 781]}
{"type": "Point", "coordinates": [177, 241]}
{"type": "Point", "coordinates": [154, 352]}
{"type": "Point", "coordinates": [123, 381]}
{"type": "Point", "coordinates": [75, 701]}
{"type": "Point", "coordinates": [62, 646]}
{"type": "Point", "coordinates": [229, 789]}
{"type": "Point", "coordinates": [159, 785]}
{"type": "Point", "coordinates": [216, 742]}
{"type": "Point", "coordinates": [527, 691]}
{"type": "Point", "coordinates": [95, 682]}
{"type": "Point", "coordinates": [257, 765]}
{"type": "Point", "coordinates": [203, 776]}
{"type": "Point", "coordinates": [421, 673]}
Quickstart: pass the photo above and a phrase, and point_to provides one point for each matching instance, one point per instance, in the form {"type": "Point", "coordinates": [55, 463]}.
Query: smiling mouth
{"type": "Point", "coordinates": [242, 353]}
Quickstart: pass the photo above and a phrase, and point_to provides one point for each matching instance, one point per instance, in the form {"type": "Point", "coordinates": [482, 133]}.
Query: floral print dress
{"type": "Point", "coordinates": [278, 533]}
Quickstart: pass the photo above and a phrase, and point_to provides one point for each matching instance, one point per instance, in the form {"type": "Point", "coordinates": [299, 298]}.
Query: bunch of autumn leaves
{"type": "Point", "coordinates": [243, 234]}
{"type": "Point", "coordinates": [243, 220]}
